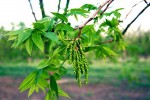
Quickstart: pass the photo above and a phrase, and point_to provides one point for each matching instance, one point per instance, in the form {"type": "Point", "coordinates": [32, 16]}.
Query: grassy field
{"type": "Point", "coordinates": [107, 81]}
{"type": "Point", "coordinates": [136, 73]}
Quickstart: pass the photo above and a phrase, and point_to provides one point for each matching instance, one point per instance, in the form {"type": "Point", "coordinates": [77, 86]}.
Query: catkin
{"type": "Point", "coordinates": [77, 59]}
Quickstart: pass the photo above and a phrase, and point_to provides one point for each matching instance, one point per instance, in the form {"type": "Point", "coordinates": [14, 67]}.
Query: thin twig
{"type": "Point", "coordinates": [132, 9]}
{"type": "Point", "coordinates": [67, 6]}
{"type": "Point", "coordinates": [125, 30]}
{"type": "Point", "coordinates": [108, 2]}
{"type": "Point", "coordinates": [96, 12]}
{"type": "Point", "coordinates": [58, 5]}
{"type": "Point", "coordinates": [42, 8]}
{"type": "Point", "coordinates": [145, 2]}
{"type": "Point", "coordinates": [106, 7]}
{"type": "Point", "coordinates": [32, 10]}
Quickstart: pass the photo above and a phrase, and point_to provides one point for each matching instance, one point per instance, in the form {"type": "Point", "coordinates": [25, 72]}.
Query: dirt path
{"type": "Point", "coordinates": [9, 91]}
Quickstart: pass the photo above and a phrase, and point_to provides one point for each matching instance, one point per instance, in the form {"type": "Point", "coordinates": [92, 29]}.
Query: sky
{"type": "Point", "coordinates": [15, 11]}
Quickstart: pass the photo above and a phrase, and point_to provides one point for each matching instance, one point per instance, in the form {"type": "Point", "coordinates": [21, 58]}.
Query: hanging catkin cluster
{"type": "Point", "coordinates": [77, 59]}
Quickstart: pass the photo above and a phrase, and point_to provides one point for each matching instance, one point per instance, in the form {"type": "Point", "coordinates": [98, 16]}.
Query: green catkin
{"type": "Point", "coordinates": [77, 59]}
{"type": "Point", "coordinates": [78, 68]}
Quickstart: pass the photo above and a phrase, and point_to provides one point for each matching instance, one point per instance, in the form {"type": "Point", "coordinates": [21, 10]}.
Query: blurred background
{"type": "Point", "coordinates": [127, 77]}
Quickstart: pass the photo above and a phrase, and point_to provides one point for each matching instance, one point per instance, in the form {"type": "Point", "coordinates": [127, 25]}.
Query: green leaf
{"type": "Point", "coordinates": [60, 16]}
{"type": "Point", "coordinates": [109, 51]}
{"type": "Point", "coordinates": [117, 14]}
{"type": "Point", "coordinates": [87, 28]}
{"type": "Point", "coordinates": [42, 82]}
{"type": "Point", "coordinates": [57, 76]}
{"type": "Point", "coordinates": [62, 27]}
{"type": "Point", "coordinates": [89, 32]}
{"type": "Point", "coordinates": [45, 19]}
{"type": "Point", "coordinates": [28, 81]}
{"type": "Point", "coordinates": [58, 27]}
{"type": "Point", "coordinates": [76, 17]}
{"type": "Point", "coordinates": [37, 39]}
{"type": "Point", "coordinates": [78, 11]}
{"type": "Point", "coordinates": [42, 88]}
{"type": "Point", "coordinates": [23, 36]}
{"type": "Point", "coordinates": [31, 90]}
{"type": "Point", "coordinates": [53, 85]}
{"type": "Point", "coordinates": [14, 45]}
{"type": "Point", "coordinates": [62, 70]}
{"type": "Point", "coordinates": [13, 37]}
{"type": "Point", "coordinates": [44, 74]}
{"type": "Point", "coordinates": [48, 95]}
{"type": "Point", "coordinates": [89, 7]}
{"type": "Point", "coordinates": [50, 26]}
{"type": "Point", "coordinates": [38, 25]}
{"type": "Point", "coordinates": [52, 36]}
{"type": "Point", "coordinates": [14, 32]}
{"type": "Point", "coordinates": [29, 45]}
{"type": "Point", "coordinates": [58, 50]}
{"type": "Point", "coordinates": [67, 27]}
{"type": "Point", "coordinates": [114, 22]}
{"type": "Point", "coordinates": [90, 48]}
{"type": "Point", "coordinates": [62, 93]}
{"type": "Point", "coordinates": [43, 64]}
{"type": "Point", "coordinates": [52, 68]}
{"type": "Point", "coordinates": [119, 9]}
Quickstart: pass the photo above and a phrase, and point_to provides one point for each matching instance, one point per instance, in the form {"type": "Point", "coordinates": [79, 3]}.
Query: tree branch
{"type": "Point", "coordinates": [42, 8]}
{"type": "Point", "coordinates": [108, 2]}
{"type": "Point", "coordinates": [32, 10]}
{"type": "Point", "coordinates": [67, 6]}
{"type": "Point", "coordinates": [58, 5]}
{"type": "Point", "coordinates": [132, 9]}
{"type": "Point", "coordinates": [145, 2]}
{"type": "Point", "coordinates": [96, 12]}
{"type": "Point", "coordinates": [125, 30]}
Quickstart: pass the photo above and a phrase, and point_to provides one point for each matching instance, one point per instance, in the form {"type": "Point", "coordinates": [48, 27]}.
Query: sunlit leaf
{"type": "Point", "coordinates": [51, 35]}
{"type": "Point", "coordinates": [58, 27]}
{"type": "Point", "coordinates": [109, 51]}
{"type": "Point", "coordinates": [58, 50]}
{"type": "Point", "coordinates": [42, 82]}
{"type": "Point", "coordinates": [60, 16]}
{"type": "Point", "coordinates": [48, 95]}
{"type": "Point", "coordinates": [37, 39]}
{"type": "Point", "coordinates": [78, 11]}
{"type": "Point", "coordinates": [14, 32]}
{"type": "Point", "coordinates": [23, 36]}
{"type": "Point", "coordinates": [50, 25]}
{"type": "Point", "coordinates": [28, 81]}
{"type": "Point", "coordinates": [31, 90]}
{"type": "Point", "coordinates": [62, 93]}
{"type": "Point", "coordinates": [43, 64]}
{"type": "Point", "coordinates": [76, 17]}
{"type": "Point", "coordinates": [12, 37]}
{"type": "Point", "coordinates": [89, 7]}
{"type": "Point", "coordinates": [38, 25]}
{"type": "Point", "coordinates": [29, 45]}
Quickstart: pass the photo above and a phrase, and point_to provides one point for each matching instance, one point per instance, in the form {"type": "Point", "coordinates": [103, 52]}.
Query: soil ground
{"type": "Point", "coordinates": [9, 91]}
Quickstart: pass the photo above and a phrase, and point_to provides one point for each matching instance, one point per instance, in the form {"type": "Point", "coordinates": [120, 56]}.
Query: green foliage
{"type": "Point", "coordinates": [56, 38]}
{"type": "Point", "coordinates": [138, 46]}
{"type": "Point", "coordinates": [52, 36]}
